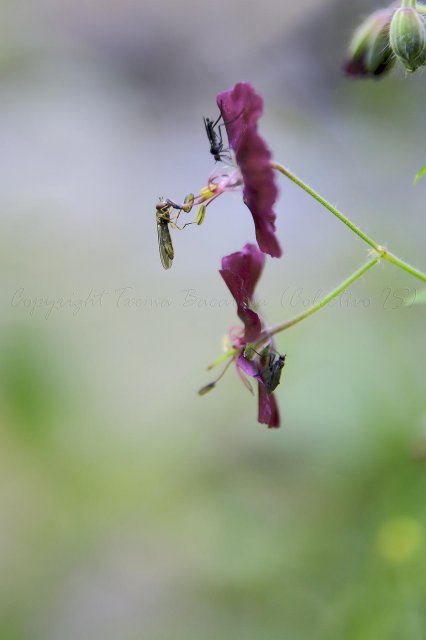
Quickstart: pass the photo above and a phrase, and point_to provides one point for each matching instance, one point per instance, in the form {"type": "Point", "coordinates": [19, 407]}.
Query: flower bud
{"type": "Point", "coordinates": [407, 37]}
{"type": "Point", "coordinates": [369, 51]}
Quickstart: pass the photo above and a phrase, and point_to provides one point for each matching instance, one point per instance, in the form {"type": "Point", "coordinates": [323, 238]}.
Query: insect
{"type": "Point", "coordinates": [270, 367]}
{"type": "Point", "coordinates": [165, 244]}
{"type": "Point", "coordinates": [215, 139]}
{"type": "Point", "coordinates": [164, 221]}
{"type": "Point", "coordinates": [271, 371]}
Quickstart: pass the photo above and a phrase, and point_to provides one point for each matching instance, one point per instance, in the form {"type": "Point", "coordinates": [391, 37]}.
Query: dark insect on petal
{"type": "Point", "coordinates": [241, 108]}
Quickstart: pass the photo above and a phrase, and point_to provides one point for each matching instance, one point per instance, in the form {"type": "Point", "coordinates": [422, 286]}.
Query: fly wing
{"type": "Point", "coordinates": [207, 127]}
{"type": "Point", "coordinates": [165, 245]}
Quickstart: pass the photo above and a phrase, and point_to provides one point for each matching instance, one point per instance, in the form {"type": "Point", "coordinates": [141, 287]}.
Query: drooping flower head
{"type": "Point", "coordinates": [241, 272]}
{"type": "Point", "coordinates": [241, 108]}
{"type": "Point", "coordinates": [249, 168]}
{"type": "Point", "coordinates": [370, 54]}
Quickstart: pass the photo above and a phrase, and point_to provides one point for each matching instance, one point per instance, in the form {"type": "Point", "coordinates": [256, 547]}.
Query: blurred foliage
{"type": "Point", "coordinates": [31, 393]}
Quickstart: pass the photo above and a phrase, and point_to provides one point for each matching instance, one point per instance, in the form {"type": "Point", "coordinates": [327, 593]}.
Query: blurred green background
{"type": "Point", "coordinates": [130, 508]}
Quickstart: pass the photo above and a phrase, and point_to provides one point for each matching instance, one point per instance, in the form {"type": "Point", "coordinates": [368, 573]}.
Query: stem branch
{"type": "Point", "coordinates": [383, 253]}
{"type": "Point", "coordinates": [328, 298]}
{"type": "Point", "coordinates": [390, 257]}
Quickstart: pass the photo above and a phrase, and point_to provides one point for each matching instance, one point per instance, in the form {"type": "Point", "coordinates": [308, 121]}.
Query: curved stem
{"type": "Point", "coordinates": [326, 204]}
{"type": "Point", "coordinates": [328, 298]}
{"type": "Point", "coordinates": [383, 253]}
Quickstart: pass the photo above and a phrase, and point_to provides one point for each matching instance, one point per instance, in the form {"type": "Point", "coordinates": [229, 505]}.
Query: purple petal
{"type": "Point", "coordinates": [260, 191]}
{"type": "Point", "coordinates": [247, 264]}
{"type": "Point", "coordinates": [268, 409]}
{"type": "Point", "coordinates": [252, 324]}
{"type": "Point", "coordinates": [235, 284]}
{"type": "Point", "coordinates": [250, 319]}
{"type": "Point", "coordinates": [248, 366]}
{"type": "Point", "coordinates": [240, 107]}
{"type": "Point", "coordinates": [241, 272]}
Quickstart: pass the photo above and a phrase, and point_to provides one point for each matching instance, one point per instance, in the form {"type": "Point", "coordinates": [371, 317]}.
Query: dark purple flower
{"type": "Point", "coordinates": [241, 108]}
{"type": "Point", "coordinates": [241, 272]}
{"type": "Point", "coordinates": [268, 412]}
{"type": "Point", "coordinates": [268, 408]}
{"type": "Point", "coordinates": [250, 170]}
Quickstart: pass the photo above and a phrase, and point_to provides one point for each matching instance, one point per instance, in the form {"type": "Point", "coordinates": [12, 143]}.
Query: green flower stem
{"type": "Point", "coordinates": [316, 307]}
{"type": "Point", "coordinates": [383, 253]}
{"type": "Point", "coordinates": [404, 265]}
{"type": "Point", "coordinates": [328, 298]}
{"type": "Point", "coordinates": [327, 205]}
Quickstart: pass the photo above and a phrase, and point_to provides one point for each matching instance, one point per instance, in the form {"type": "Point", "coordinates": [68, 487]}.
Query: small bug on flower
{"type": "Point", "coordinates": [271, 364]}
{"type": "Point", "coordinates": [215, 139]}
{"type": "Point", "coordinates": [165, 245]}
{"type": "Point", "coordinates": [271, 373]}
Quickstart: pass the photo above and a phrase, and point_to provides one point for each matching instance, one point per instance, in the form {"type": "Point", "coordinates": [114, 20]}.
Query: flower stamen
{"type": "Point", "coordinates": [211, 385]}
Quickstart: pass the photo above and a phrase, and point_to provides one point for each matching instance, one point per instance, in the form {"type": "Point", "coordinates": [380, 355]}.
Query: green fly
{"type": "Point", "coordinates": [165, 221]}
{"type": "Point", "coordinates": [165, 245]}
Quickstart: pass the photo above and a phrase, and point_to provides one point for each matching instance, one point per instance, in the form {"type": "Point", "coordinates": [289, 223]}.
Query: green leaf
{"type": "Point", "coordinates": [420, 174]}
